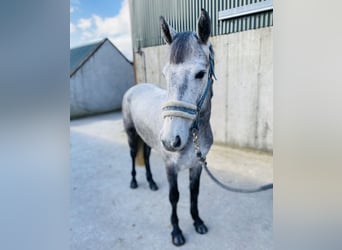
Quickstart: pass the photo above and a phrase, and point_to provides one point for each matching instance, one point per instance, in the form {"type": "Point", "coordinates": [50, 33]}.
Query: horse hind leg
{"type": "Point", "coordinates": [140, 155]}
{"type": "Point", "coordinates": [147, 153]}
{"type": "Point", "coordinates": [133, 142]}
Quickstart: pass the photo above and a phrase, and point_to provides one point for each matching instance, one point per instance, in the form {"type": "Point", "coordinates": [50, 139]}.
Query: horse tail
{"type": "Point", "coordinates": [139, 158]}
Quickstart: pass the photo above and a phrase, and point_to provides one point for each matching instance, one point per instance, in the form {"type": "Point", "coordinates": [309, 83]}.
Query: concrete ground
{"type": "Point", "coordinates": [107, 214]}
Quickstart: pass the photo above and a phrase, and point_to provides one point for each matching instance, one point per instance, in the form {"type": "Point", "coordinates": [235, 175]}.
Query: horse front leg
{"type": "Point", "coordinates": [195, 174]}
{"type": "Point", "coordinates": [177, 235]}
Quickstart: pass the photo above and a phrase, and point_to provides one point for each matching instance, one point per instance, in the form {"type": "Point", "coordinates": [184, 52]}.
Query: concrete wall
{"type": "Point", "coordinates": [242, 111]}
{"type": "Point", "coordinates": [98, 86]}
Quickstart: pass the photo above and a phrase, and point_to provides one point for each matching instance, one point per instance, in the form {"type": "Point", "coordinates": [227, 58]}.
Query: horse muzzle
{"type": "Point", "coordinates": [178, 117]}
{"type": "Point", "coordinates": [174, 145]}
{"type": "Point", "coordinates": [174, 134]}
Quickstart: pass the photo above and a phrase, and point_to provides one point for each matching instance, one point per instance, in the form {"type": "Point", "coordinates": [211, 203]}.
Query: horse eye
{"type": "Point", "coordinates": [200, 75]}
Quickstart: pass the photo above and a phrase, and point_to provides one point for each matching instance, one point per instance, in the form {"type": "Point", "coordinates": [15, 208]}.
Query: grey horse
{"type": "Point", "coordinates": [164, 119]}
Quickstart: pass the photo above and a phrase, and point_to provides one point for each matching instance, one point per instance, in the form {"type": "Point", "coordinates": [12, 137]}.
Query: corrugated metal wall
{"type": "Point", "coordinates": [183, 15]}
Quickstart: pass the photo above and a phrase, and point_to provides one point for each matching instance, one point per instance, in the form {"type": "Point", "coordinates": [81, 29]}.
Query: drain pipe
{"type": "Point", "coordinates": [142, 54]}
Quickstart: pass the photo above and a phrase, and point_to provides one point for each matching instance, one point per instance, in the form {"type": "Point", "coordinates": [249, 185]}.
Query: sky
{"type": "Point", "coordinates": [92, 20]}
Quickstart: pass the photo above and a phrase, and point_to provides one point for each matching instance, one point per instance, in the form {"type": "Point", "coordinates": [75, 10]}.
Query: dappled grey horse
{"type": "Point", "coordinates": [166, 119]}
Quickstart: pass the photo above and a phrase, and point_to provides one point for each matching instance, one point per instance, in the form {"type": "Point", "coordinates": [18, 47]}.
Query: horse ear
{"type": "Point", "coordinates": [204, 26]}
{"type": "Point", "coordinates": [167, 31]}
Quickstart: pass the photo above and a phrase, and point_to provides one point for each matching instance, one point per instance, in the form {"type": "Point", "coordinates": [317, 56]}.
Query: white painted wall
{"type": "Point", "coordinates": [242, 111]}
{"type": "Point", "coordinates": [98, 86]}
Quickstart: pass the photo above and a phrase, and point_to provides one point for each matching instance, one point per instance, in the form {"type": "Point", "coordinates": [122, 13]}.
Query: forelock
{"type": "Point", "coordinates": [183, 46]}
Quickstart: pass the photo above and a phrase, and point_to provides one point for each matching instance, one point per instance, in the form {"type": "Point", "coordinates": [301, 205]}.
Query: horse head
{"type": "Point", "coordinates": [186, 73]}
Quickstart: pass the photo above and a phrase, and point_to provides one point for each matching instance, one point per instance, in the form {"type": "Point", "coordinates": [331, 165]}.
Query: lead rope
{"type": "Point", "coordinates": [203, 163]}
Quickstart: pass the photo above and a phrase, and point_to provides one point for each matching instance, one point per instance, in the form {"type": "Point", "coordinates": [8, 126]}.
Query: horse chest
{"type": "Point", "coordinates": [187, 158]}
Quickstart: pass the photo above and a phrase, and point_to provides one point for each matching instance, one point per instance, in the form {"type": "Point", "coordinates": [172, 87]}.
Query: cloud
{"type": "Point", "coordinates": [108, 26]}
{"type": "Point", "coordinates": [117, 29]}
{"type": "Point", "coordinates": [88, 36]}
{"type": "Point", "coordinates": [84, 23]}
{"type": "Point", "coordinates": [72, 9]}
{"type": "Point", "coordinates": [114, 25]}
{"type": "Point", "coordinates": [72, 28]}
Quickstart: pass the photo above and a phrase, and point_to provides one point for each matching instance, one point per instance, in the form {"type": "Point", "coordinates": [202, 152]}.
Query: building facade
{"type": "Point", "coordinates": [242, 110]}
{"type": "Point", "coordinates": [99, 76]}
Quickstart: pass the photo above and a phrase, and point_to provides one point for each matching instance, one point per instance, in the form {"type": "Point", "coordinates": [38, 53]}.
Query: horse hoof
{"type": "Point", "coordinates": [153, 186]}
{"type": "Point", "coordinates": [178, 238]}
{"type": "Point", "coordinates": [201, 228]}
{"type": "Point", "coordinates": [134, 184]}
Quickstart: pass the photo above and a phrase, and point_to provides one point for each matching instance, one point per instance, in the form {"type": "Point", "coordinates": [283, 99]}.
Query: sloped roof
{"type": "Point", "coordinates": [79, 55]}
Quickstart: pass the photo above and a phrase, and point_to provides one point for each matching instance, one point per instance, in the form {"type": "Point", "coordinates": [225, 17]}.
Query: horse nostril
{"type": "Point", "coordinates": [164, 144]}
{"type": "Point", "coordinates": [177, 142]}
{"type": "Point", "coordinates": [172, 146]}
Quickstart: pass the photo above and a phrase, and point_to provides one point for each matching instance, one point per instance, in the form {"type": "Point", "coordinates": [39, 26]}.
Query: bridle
{"type": "Point", "coordinates": [188, 110]}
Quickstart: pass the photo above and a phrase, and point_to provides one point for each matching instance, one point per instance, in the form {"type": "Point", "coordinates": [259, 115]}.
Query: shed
{"type": "Point", "coordinates": [99, 76]}
{"type": "Point", "coordinates": [242, 38]}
